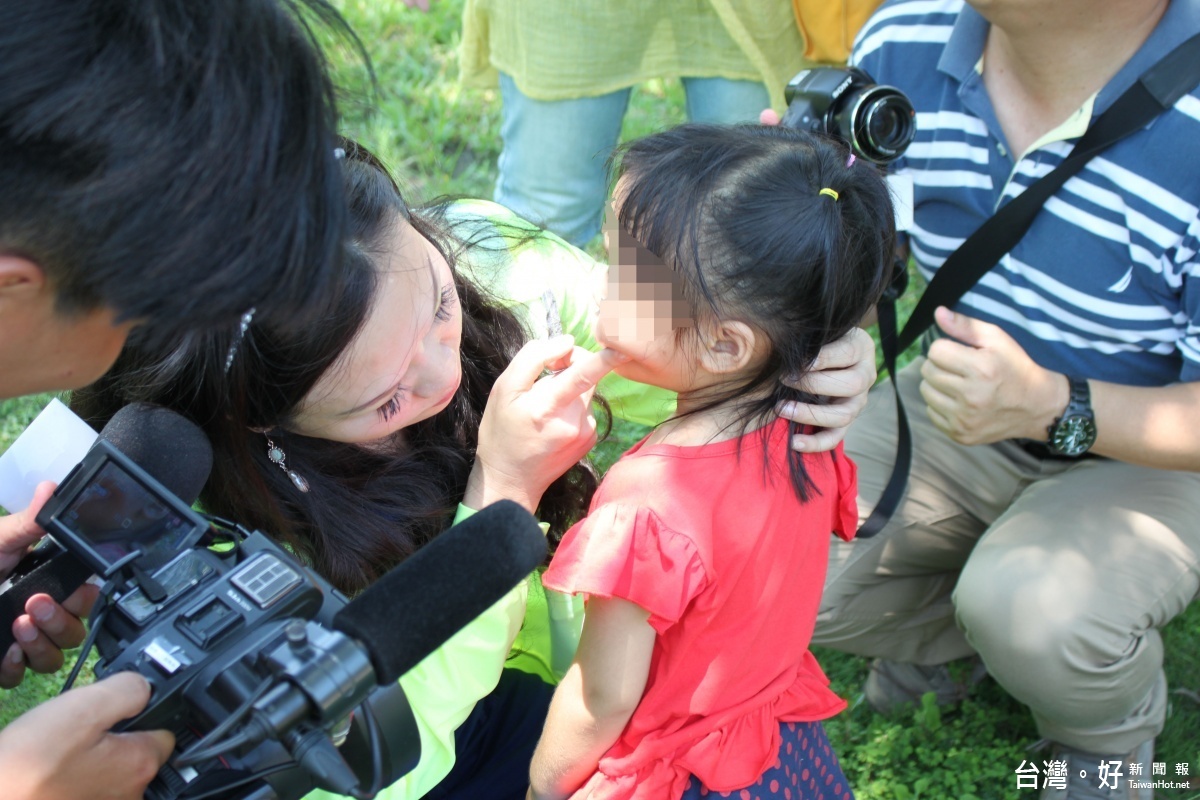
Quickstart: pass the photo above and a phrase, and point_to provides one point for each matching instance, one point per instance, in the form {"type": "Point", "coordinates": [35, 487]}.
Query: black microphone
{"type": "Point", "coordinates": [172, 449]}
{"type": "Point", "coordinates": [414, 608]}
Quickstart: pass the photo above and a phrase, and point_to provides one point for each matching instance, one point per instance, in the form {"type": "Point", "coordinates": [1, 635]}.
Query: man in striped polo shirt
{"type": "Point", "coordinates": [1052, 523]}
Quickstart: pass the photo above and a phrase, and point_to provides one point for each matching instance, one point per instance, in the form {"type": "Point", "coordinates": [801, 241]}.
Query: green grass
{"type": "Point", "coordinates": [442, 139]}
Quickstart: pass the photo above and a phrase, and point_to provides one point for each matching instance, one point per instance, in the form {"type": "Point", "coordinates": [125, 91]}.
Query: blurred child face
{"type": "Point", "coordinates": [642, 311]}
{"type": "Point", "coordinates": [405, 365]}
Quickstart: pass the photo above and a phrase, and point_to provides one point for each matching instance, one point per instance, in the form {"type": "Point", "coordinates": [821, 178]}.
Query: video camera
{"type": "Point", "coordinates": [272, 682]}
{"type": "Point", "coordinates": [878, 122]}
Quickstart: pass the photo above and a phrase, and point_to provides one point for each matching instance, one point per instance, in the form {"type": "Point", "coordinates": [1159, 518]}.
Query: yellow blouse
{"type": "Point", "coordinates": [565, 49]}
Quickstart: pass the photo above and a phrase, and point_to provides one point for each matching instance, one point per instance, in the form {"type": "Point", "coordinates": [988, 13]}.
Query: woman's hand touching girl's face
{"type": "Point", "coordinates": [405, 365]}
{"type": "Point", "coordinates": [535, 428]}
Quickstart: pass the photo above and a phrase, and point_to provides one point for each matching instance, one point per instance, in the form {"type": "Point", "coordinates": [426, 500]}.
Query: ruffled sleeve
{"type": "Point", "coordinates": [845, 512]}
{"type": "Point", "coordinates": [628, 552]}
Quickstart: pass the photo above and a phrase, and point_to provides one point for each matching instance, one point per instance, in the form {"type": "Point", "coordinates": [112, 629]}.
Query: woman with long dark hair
{"type": "Point", "coordinates": [353, 442]}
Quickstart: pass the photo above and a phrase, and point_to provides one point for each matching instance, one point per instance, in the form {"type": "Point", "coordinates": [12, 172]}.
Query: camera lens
{"type": "Point", "coordinates": [888, 121]}
{"type": "Point", "coordinates": [884, 126]}
{"type": "Point", "coordinates": [882, 123]}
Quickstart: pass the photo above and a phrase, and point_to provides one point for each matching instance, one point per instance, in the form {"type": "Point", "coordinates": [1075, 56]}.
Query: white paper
{"type": "Point", "coordinates": [48, 449]}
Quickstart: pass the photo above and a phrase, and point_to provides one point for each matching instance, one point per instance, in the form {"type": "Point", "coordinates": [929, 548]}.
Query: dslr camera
{"type": "Point", "coordinates": [878, 122]}
{"type": "Point", "coordinates": [266, 697]}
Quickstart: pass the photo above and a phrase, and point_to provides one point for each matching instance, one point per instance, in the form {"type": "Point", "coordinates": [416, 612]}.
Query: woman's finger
{"type": "Point", "coordinates": [586, 370]}
{"type": "Point", "coordinates": [531, 361]}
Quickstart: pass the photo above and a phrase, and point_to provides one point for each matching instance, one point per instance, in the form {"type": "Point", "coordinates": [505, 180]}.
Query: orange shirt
{"type": "Point", "coordinates": [730, 564]}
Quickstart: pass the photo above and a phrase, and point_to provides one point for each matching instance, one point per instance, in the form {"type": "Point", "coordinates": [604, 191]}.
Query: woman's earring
{"type": "Point", "coordinates": [279, 458]}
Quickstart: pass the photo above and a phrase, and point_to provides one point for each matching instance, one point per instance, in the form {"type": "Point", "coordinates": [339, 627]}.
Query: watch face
{"type": "Point", "coordinates": [1074, 435]}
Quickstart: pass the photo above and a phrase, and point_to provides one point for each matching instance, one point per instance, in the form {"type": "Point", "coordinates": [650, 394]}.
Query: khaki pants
{"type": "Point", "coordinates": [1058, 573]}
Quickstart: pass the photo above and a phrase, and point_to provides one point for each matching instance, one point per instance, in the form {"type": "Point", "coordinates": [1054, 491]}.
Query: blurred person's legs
{"type": "Point", "coordinates": [552, 167]}
{"type": "Point", "coordinates": [724, 101]}
{"type": "Point", "coordinates": [1063, 595]}
{"type": "Point", "coordinates": [553, 163]}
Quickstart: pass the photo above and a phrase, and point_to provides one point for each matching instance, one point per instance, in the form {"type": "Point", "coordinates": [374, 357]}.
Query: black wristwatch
{"type": "Point", "coordinates": [1074, 433]}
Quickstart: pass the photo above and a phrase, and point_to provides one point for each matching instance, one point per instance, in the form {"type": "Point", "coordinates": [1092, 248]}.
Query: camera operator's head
{"type": "Point", "coordinates": [165, 165]}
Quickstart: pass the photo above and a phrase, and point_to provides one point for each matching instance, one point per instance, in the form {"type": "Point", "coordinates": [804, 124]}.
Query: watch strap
{"type": "Point", "coordinates": [1080, 398]}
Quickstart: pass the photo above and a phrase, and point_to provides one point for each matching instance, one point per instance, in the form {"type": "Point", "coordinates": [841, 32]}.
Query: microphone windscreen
{"type": "Point", "coordinates": [167, 445]}
{"type": "Point", "coordinates": [414, 608]}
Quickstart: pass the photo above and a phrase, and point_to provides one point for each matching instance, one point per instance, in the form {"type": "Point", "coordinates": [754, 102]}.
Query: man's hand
{"type": "Point", "coordinates": [535, 428]}
{"type": "Point", "coordinates": [984, 388]}
{"type": "Point", "coordinates": [842, 374]}
{"type": "Point", "coordinates": [63, 750]}
{"type": "Point", "coordinates": [46, 628]}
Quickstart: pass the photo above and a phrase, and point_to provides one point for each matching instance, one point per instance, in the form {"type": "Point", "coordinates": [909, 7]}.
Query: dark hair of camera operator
{"type": "Point", "coordinates": [170, 167]}
{"type": "Point", "coordinates": [368, 507]}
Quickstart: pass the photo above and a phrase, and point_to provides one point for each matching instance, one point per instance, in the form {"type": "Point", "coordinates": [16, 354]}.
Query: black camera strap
{"type": "Point", "coordinates": [1155, 91]}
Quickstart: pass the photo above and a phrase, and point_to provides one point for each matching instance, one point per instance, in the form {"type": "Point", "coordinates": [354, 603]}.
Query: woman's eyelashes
{"type": "Point", "coordinates": [392, 406]}
{"type": "Point", "coordinates": [446, 306]}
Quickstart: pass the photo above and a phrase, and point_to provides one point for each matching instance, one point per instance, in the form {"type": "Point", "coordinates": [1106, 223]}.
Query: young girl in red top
{"type": "Point", "coordinates": [736, 253]}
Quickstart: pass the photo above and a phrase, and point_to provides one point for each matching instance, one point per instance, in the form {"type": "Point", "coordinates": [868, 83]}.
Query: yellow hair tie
{"type": "Point", "coordinates": [830, 192]}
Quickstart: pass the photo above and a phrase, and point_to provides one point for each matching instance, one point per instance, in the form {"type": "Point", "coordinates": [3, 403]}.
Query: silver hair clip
{"type": "Point", "coordinates": [553, 318]}
{"type": "Point", "coordinates": [338, 153]}
{"type": "Point", "coordinates": [233, 348]}
{"type": "Point", "coordinates": [279, 458]}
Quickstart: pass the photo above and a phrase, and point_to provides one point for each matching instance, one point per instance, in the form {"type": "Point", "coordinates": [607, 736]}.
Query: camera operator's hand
{"type": "Point", "coordinates": [46, 628]}
{"type": "Point", "coordinates": [841, 376]}
{"type": "Point", "coordinates": [63, 750]}
{"type": "Point", "coordinates": [535, 428]}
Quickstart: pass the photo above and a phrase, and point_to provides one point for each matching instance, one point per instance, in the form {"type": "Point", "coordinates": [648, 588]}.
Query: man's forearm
{"type": "Point", "coordinates": [1151, 426]}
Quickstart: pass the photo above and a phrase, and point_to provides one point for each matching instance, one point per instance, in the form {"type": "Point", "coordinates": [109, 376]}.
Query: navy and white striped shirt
{"type": "Point", "coordinates": [1105, 284]}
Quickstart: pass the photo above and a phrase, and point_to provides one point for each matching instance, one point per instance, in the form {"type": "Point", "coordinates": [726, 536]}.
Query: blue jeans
{"type": "Point", "coordinates": [553, 165]}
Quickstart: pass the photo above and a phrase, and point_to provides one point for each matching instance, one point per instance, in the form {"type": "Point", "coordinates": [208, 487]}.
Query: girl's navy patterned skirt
{"type": "Point", "coordinates": [806, 769]}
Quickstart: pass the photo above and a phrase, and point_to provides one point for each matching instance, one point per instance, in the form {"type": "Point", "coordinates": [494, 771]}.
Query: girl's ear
{"type": "Point", "coordinates": [729, 346]}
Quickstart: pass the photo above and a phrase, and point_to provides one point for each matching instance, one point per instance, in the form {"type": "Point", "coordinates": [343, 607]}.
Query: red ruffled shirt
{"type": "Point", "coordinates": [714, 543]}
